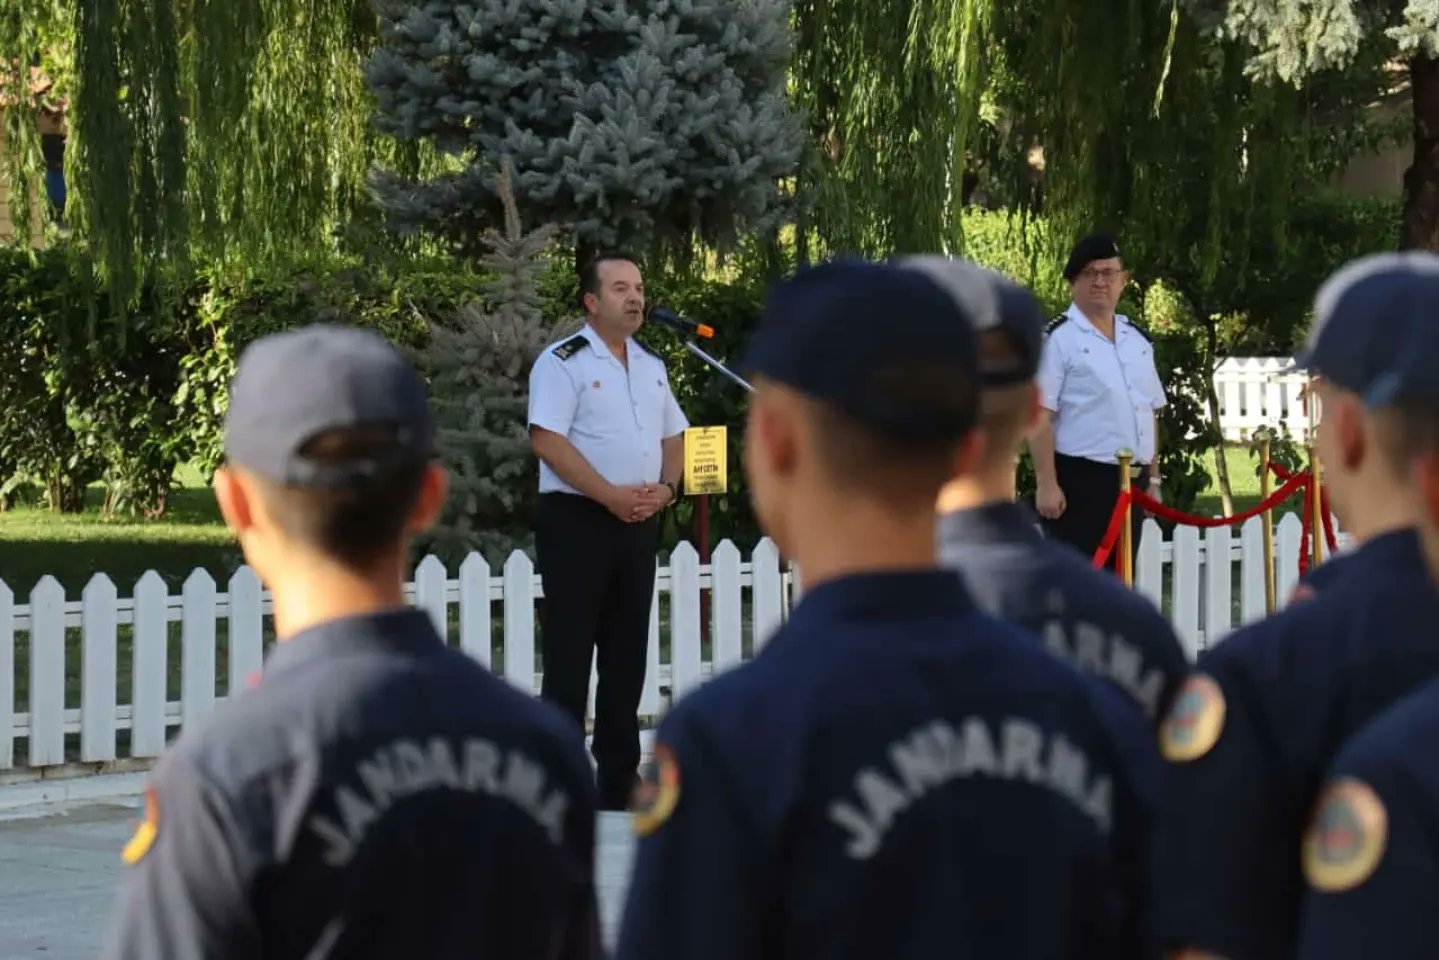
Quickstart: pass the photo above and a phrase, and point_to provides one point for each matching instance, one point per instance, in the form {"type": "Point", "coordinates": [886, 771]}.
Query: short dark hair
{"type": "Point", "coordinates": [590, 270]}
{"type": "Point", "coordinates": [352, 526]}
{"type": "Point", "coordinates": [871, 460]}
{"type": "Point", "coordinates": [1406, 428]}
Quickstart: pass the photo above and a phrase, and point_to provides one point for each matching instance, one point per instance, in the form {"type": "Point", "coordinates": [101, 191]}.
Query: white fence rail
{"type": "Point", "coordinates": [104, 677]}
{"type": "Point", "coordinates": [1255, 392]}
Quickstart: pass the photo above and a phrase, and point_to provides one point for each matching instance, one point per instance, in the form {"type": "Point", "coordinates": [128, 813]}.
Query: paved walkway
{"type": "Point", "coordinates": [58, 873]}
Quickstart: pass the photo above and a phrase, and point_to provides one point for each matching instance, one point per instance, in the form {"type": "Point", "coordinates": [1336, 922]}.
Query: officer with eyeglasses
{"type": "Point", "coordinates": [1101, 394]}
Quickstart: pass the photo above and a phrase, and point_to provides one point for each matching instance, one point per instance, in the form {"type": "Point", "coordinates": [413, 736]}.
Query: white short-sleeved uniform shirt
{"type": "Point", "coordinates": [615, 417]}
{"type": "Point", "coordinates": [1103, 393]}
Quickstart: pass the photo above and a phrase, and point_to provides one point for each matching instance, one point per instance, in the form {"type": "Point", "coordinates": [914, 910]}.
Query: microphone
{"type": "Point", "coordinates": [681, 324]}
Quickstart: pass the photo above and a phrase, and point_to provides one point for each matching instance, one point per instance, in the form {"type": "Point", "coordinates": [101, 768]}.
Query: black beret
{"type": "Point", "coordinates": [1096, 246]}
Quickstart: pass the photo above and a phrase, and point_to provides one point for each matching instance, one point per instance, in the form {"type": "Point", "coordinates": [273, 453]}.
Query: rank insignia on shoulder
{"type": "Point", "coordinates": [144, 836]}
{"type": "Point", "coordinates": [1055, 323]}
{"type": "Point", "coordinates": [1346, 837]}
{"type": "Point", "coordinates": [657, 793]}
{"type": "Point", "coordinates": [571, 346]}
{"type": "Point", "coordinates": [1195, 720]}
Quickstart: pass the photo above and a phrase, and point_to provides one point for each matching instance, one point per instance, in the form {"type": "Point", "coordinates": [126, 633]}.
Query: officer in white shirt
{"type": "Point", "coordinates": [609, 436]}
{"type": "Point", "coordinates": [1100, 388]}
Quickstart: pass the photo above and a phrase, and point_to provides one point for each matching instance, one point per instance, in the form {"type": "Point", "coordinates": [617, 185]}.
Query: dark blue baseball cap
{"type": "Point", "coordinates": [883, 344]}
{"type": "Point", "coordinates": [1376, 328]}
{"type": "Point", "coordinates": [992, 301]}
{"type": "Point", "coordinates": [292, 387]}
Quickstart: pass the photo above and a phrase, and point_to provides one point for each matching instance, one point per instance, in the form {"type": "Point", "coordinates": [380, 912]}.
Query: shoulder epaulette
{"type": "Point", "coordinates": [1055, 324]}
{"type": "Point", "coordinates": [571, 346]}
{"type": "Point", "coordinates": [1138, 329]}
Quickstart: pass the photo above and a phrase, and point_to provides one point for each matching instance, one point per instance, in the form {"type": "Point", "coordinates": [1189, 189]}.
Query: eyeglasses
{"type": "Point", "coordinates": [1090, 275]}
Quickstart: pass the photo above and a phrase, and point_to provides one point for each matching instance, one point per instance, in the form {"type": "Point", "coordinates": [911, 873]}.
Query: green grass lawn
{"type": "Point", "coordinates": [73, 548]}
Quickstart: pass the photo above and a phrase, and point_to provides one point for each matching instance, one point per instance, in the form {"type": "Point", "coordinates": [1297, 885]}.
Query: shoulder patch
{"type": "Point", "coordinates": [1055, 323]}
{"type": "Point", "coordinates": [571, 346]}
{"type": "Point", "coordinates": [658, 792]}
{"type": "Point", "coordinates": [144, 836]}
{"type": "Point", "coordinates": [1346, 837]}
{"type": "Point", "coordinates": [1195, 720]}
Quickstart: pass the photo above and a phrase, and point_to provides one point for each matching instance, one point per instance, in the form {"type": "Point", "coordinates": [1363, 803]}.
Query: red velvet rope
{"type": "Point", "coordinates": [1111, 533]}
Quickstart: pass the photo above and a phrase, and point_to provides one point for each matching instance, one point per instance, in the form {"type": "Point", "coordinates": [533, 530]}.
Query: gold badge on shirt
{"type": "Point", "coordinates": [144, 836]}
{"type": "Point", "coordinates": [1194, 722]}
{"type": "Point", "coordinates": [1346, 837]}
{"type": "Point", "coordinates": [657, 793]}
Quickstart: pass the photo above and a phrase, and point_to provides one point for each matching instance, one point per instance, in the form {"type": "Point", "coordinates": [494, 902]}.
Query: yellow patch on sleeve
{"type": "Point", "coordinates": [144, 836]}
{"type": "Point", "coordinates": [1346, 836]}
{"type": "Point", "coordinates": [657, 793]}
{"type": "Point", "coordinates": [1195, 720]}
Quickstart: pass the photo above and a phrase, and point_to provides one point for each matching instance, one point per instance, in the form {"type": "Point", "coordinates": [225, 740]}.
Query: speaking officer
{"type": "Point", "coordinates": [1010, 568]}
{"type": "Point", "coordinates": [1099, 388]}
{"type": "Point", "coordinates": [377, 793]}
{"type": "Point", "coordinates": [610, 440]}
{"type": "Point", "coordinates": [896, 774]}
{"type": "Point", "coordinates": [1255, 726]}
{"type": "Point", "coordinates": [1371, 853]}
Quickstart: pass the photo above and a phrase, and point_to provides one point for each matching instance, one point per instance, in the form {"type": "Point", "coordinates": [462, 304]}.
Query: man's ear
{"type": "Point", "coordinates": [434, 487]}
{"type": "Point", "coordinates": [233, 496]}
{"type": "Point", "coordinates": [1352, 440]}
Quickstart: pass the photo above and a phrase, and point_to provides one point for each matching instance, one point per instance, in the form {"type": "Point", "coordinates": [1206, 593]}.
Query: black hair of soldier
{"type": "Point", "coordinates": [590, 270]}
{"type": "Point", "coordinates": [355, 525]}
{"type": "Point", "coordinates": [1405, 427]}
{"type": "Point", "coordinates": [869, 460]}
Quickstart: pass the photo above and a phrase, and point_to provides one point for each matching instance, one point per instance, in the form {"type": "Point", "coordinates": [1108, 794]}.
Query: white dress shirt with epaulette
{"type": "Point", "coordinates": [615, 417]}
{"type": "Point", "coordinates": [1103, 392]}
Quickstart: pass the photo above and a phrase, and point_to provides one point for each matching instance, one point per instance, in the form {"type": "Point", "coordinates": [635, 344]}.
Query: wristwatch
{"type": "Point", "coordinates": [674, 489]}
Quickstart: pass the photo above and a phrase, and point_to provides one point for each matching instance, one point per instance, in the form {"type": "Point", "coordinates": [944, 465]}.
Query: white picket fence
{"type": "Point", "coordinates": [1255, 392]}
{"type": "Point", "coordinates": [69, 652]}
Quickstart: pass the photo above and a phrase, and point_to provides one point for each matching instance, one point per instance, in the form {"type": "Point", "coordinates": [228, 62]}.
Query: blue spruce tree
{"type": "Point", "coordinates": [628, 122]}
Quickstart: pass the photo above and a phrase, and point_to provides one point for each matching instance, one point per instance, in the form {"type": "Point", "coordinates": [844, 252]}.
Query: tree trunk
{"type": "Point", "coordinates": [1211, 398]}
{"type": "Point", "coordinates": [1421, 180]}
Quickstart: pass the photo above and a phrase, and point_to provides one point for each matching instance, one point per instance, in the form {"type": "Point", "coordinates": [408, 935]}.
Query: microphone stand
{"type": "Point", "coordinates": [695, 349]}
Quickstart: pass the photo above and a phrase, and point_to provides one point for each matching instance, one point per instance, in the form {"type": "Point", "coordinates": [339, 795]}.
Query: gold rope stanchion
{"type": "Point", "coordinates": [1316, 509]}
{"type": "Point", "coordinates": [1126, 552]}
{"type": "Point", "coordinates": [1264, 491]}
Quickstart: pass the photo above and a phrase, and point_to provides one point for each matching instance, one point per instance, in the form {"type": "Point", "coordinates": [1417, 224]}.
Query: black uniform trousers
{"type": "Point", "coordinates": [1090, 489]}
{"type": "Point", "coordinates": [599, 577]}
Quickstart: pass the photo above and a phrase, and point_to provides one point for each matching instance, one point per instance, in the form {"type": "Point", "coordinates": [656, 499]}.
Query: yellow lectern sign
{"type": "Point", "coordinates": [706, 450]}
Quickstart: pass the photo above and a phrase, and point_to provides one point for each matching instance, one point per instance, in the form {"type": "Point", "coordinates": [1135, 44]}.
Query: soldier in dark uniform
{"type": "Point", "coordinates": [896, 774]}
{"type": "Point", "coordinates": [377, 793]}
{"type": "Point", "coordinates": [1371, 853]}
{"type": "Point", "coordinates": [1254, 728]}
{"type": "Point", "coordinates": [1011, 569]}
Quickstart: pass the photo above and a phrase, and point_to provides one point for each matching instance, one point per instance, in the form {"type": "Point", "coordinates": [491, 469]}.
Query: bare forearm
{"type": "Point", "coordinates": [1041, 450]}
{"type": "Point", "coordinates": [571, 466]}
{"type": "Point", "coordinates": [672, 458]}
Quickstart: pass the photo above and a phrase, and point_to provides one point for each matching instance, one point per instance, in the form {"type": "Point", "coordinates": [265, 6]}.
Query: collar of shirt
{"type": "Point", "coordinates": [991, 523]}
{"type": "Point", "coordinates": [602, 349]}
{"type": "Point", "coordinates": [405, 632]}
{"type": "Point", "coordinates": [1121, 323]}
{"type": "Point", "coordinates": [898, 595]}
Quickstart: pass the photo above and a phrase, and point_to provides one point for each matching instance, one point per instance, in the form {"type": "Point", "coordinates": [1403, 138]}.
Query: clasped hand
{"type": "Point", "coordinates": [634, 504]}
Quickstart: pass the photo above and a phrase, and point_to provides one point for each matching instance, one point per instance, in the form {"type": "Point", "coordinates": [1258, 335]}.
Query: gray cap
{"type": "Point", "coordinates": [294, 386]}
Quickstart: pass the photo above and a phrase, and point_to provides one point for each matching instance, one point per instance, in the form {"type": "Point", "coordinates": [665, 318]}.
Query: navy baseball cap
{"type": "Point", "coordinates": [292, 387]}
{"type": "Point", "coordinates": [865, 338]}
{"type": "Point", "coordinates": [1376, 328]}
{"type": "Point", "coordinates": [992, 301]}
{"type": "Point", "coordinates": [1096, 246]}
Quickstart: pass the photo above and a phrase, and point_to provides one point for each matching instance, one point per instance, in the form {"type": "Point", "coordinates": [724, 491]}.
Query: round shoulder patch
{"type": "Point", "coordinates": [657, 793]}
{"type": "Point", "coordinates": [144, 836]}
{"type": "Point", "coordinates": [1195, 720]}
{"type": "Point", "coordinates": [1346, 837]}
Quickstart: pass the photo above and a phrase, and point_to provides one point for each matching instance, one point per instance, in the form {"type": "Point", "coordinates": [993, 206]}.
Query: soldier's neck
{"type": "Point", "coordinates": [616, 342]}
{"type": "Point", "coordinates": [1103, 321]}
{"type": "Point", "coordinates": [867, 541]}
{"type": "Point", "coordinates": [308, 595]}
{"type": "Point", "coordinates": [989, 486]}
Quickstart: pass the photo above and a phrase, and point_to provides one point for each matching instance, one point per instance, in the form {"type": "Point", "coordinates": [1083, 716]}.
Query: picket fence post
{"type": "Point", "coordinates": [99, 643]}
{"type": "Point", "coordinates": [1218, 585]}
{"type": "Point", "coordinates": [148, 668]}
{"type": "Point", "coordinates": [520, 621]}
{"type": "Point", "coordinates": [7, 677]}
{"type": "Point", "coordinates": [768, 592]}
{"type": "Point", "coordinates": [197, 648]}
{"type": "Point", "coordinates": [726, 600]}
{"type": "Point", "coordinates": [475, 608]}
{"type": "Point", "coordinates": [247, 628]}
{"type": "Point", "coordinates": [47, 673]}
